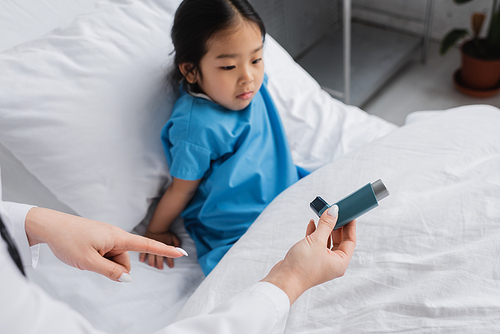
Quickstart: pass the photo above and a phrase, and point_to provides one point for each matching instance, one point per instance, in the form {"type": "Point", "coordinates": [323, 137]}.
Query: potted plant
{"type": "Point", "coordinates": [480, 71]}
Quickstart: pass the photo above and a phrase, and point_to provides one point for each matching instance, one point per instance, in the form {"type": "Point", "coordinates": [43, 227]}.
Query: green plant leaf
{"type": "Point", "coordinates": [451, 39]}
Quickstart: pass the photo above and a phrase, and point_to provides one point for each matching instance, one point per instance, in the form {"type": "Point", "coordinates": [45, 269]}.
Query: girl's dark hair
{"type": "Point", "coordinates": [196, 21]}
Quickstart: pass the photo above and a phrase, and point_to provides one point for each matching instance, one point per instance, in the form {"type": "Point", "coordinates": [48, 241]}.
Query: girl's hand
{"type": "Point", "coordinates": [167, 238]}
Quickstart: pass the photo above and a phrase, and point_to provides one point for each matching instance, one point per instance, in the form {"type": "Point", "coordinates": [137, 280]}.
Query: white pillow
{"type": "Point", "coordinates": [26, 20]}
{"type": "Point", "coordinates": [83, 107]}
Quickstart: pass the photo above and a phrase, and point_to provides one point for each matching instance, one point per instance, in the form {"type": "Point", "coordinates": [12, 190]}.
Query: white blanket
{"type": "Point", "coordinates": [427, 259]}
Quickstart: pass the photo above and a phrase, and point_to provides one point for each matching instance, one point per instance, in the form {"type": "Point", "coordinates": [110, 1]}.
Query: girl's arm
{"type": "Point", "coordinates": [175, 199]}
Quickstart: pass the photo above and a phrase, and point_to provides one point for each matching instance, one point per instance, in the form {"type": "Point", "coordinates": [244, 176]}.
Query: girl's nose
{"type": "Point", "coordinates": [246, 77]}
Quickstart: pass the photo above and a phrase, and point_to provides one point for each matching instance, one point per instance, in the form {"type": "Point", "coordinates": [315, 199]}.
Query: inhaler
{"type": "Point", "coordinates": [356, 204]}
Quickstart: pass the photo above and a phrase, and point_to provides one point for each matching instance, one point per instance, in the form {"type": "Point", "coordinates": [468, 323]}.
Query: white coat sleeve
{"type": "Point", "coordinates": [263, 308]}
{"type": "Point", "coordinates": [14, 217]}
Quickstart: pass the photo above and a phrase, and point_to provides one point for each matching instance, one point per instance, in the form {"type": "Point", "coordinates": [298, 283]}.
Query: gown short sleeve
{"type": "Point", "coordinates": [188, 161]}
{"type": "Point", "coordinates": [192, 138]}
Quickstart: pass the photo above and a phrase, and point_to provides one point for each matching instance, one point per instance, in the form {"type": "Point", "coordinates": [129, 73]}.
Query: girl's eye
{"type": "Point", "coordinates": [257, 61]}
{"type": "Point", "coordinates": [227, 68]}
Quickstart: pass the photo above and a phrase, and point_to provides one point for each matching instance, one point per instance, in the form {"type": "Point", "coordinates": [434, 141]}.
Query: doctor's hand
{"type": "Point", "coordinates": [90, 245]}
{"type": "Point", "coordinates": [321, 256]}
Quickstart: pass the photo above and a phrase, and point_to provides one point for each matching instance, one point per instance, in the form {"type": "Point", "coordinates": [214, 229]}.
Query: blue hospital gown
{"type": "Point", "coordinates": [243, 158]}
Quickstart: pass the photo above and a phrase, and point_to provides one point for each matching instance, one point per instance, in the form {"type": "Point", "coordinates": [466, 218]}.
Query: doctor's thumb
{"type": "Point", "coordinates": [327, 222]}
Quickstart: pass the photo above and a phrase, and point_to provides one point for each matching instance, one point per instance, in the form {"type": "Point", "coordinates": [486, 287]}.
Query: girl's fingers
{"type": "Point", "coordinates": [142, 257]}
{"type": "Point", "coordinates": [176, 242]}
{"type": "Point", "coordinates": [152, 260]}
{"type": "Point", "coordinates": [159, 262]}
{"type": "Point", "coordinates": [170, 262]}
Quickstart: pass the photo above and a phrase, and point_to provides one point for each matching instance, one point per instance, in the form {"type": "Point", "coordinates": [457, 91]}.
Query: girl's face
{"type": "Point", "coordinates": [233, 69]}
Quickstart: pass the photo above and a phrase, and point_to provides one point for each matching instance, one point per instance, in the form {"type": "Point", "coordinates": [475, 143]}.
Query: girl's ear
{"type": "Point", "coordinates": [188, 72]}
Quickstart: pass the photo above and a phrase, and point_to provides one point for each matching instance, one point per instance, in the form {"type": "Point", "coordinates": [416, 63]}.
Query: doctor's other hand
{"type": "Point", "coordinates": [311, 261]}
{"type": "Point", "coordinates": [168, 238]}
{"type": "Point", "coordinates": [90, 245]}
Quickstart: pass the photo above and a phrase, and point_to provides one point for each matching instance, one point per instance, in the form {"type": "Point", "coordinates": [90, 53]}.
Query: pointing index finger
{"type": "Point", "coordinates": [137, 243]}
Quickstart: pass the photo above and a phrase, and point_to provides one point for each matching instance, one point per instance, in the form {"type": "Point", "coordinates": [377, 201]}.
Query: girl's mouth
{"type": "Point", "coordinates": [245, 96]}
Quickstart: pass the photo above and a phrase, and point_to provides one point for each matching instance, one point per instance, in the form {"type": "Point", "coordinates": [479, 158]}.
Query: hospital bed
{"type": "Point", "coordinates": [81, 109]}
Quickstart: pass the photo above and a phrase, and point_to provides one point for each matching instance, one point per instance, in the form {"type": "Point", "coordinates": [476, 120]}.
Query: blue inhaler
{"type": "Point", "coordinates": [356, 204]}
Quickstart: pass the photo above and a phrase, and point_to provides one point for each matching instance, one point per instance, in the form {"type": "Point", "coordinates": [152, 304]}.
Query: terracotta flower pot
{"type": "Point", "coordinates": [478, 73]}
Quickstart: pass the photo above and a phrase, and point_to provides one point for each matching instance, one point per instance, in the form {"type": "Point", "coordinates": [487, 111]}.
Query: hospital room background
{"type": "Point", "coordinates": [363, 93]}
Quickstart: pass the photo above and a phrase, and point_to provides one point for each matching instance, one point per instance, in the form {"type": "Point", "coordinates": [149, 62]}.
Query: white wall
{"type": "Point", "coordinates": [446, 14]}
{"type": "Point", "coordinates": [295, 24]}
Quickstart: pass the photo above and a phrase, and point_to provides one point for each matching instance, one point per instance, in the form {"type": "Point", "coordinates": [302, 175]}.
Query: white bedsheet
{"type": "Point", "coordinates": [427, 259]}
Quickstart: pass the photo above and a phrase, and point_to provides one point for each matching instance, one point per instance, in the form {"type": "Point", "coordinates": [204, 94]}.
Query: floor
{"type": "Point", "coordinates": [423, 87]}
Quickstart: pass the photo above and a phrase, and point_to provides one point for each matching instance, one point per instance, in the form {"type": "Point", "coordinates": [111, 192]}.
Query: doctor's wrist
{"type": "Point", "coordinates": [288, 280]}
{"type": "Point", "coordinates": [37, 225]}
